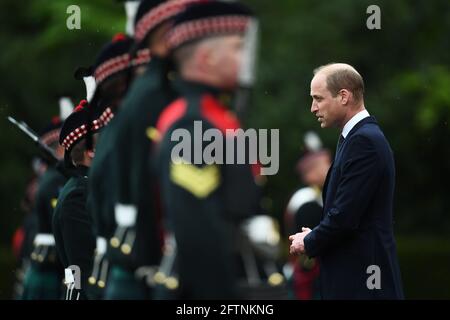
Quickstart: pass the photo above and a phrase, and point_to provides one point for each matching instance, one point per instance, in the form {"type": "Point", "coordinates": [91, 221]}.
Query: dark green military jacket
{"type": "Point", "coordinates": [43, 279]}
{"type": "Point", "coordinates": [204, 202]}
{"type": "Point", "coordinates": [101, 197]}
{"type": "Point", "coordinates": [100, 204]}
{"type": "Point", "coordinates": [135, 184]}
{"type": "Point", "coordinates": [49, 187]}
{"type": "Point", "coordinates": [72, 225]}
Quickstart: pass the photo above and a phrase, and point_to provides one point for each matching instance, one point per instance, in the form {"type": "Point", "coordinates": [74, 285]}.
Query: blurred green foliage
{"type": "Point", "coordinates": [424, 263]}
{"type": "Point", "coordinates": [405, 66]}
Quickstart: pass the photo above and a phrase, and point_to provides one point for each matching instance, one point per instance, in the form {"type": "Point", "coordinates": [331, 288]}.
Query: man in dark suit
{"type": "Point", "coordinates": [355, 240]}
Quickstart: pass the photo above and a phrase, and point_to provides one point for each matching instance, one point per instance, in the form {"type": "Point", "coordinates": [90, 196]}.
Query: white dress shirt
{"type": "Point", "coordinates": [353, 121]}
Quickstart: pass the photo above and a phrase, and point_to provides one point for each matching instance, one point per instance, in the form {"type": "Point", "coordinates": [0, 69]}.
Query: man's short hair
{"type": "Point", "coordinates": [77, 152]}
{"type": "Point", "coordinates": [345, 77]}
{"type": "Point", "coordinates": [184, 53]}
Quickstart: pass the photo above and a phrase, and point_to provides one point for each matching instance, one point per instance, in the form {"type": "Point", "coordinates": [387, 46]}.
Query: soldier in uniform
{"type": "Point", "coordinates": [137, 240]}
{"type": "Point", "coordinates": [111, 81]}
{"type": "Point", "coordinates": [24, 235]}
{"type": "Point", "coordinates": [204, 202]}
{"type": "Point", "coordinates": [42, 279]}
{"type": "Point", "coordinates": [305, 209]}
{"type": "Point", "coordinates": [72, 225]}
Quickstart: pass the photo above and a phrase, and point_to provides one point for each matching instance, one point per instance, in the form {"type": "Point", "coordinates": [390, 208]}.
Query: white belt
{"type": "Point", "coordinates": [44, 239]}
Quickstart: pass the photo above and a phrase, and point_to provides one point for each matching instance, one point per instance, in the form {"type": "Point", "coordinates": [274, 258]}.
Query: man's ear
{"type": "Point", "coordinates": [157, 41]}
{"type": "Point", "coordinates": [90, 153]}
{"type": "Point", "coordinates": [345, 96]}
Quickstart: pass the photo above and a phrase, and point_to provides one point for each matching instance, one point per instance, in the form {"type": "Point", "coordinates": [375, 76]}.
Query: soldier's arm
{"type": "Point", "coordinates": [242, 184]}
{"type": "Point", "coordinates": [77, 233]}
{"type": "Point", "coordinates": [45, 202]}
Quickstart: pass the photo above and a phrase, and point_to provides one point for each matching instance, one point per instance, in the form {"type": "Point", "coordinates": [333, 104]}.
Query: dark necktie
{"type": "Point", "coordinates": [339, 144]}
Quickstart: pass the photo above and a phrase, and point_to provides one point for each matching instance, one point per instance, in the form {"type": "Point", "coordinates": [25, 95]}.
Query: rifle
{"type": "Point", "coordinates": [47, 153]}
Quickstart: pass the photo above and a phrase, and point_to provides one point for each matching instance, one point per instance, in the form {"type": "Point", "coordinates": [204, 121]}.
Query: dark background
{"type": "Point", "coordinates": [405, 66]}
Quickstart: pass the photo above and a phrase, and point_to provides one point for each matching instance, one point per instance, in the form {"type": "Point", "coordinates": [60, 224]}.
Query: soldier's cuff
{"type": "Point", "coordinates": [125, 215]}
{"type": "Point", "coordinates": [101, 245]}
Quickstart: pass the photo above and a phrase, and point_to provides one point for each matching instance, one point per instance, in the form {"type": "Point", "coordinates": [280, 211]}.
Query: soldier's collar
{"type": "Point", "coordinates": [155, 62]}
{"type": "Point", "coordinates": [190, 87]}
{"type": "Point", "coordinates": [81, 171]}
{"type": "Point", "coordinates": [162, 66]}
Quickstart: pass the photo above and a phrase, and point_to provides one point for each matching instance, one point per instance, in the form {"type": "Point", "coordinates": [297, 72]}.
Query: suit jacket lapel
{"type": "Point", "coordinates": [325, 185]}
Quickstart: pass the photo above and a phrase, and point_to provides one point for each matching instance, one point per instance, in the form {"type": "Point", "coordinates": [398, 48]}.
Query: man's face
{"type": "Point", "coordinates": [90, 154]}
{"type": "Point", "coordinates": [225, 59]}
{"type": "Point", "coordinates": [328, 109]}
{"type": "Point", "coordinates": [113, 90]}
{"type": "Point", "coordinates": [59, 152]}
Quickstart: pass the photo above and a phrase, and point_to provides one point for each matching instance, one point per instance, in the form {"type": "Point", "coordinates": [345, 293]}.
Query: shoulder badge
{"type": "Point", "coordinates": [201, 182]}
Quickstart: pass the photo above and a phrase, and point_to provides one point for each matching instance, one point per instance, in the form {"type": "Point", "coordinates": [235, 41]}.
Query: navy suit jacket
{"type": "Point", "coordinates": [356, 230]}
